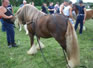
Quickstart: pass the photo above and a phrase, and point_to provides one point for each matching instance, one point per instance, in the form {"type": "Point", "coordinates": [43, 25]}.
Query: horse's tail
{"type": "Point", "coordinates": [72, 46]}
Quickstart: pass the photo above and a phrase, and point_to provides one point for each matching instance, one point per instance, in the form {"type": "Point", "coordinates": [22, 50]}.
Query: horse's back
{"type": "Point", "coordinates": [89, 14]}
{"type": "Point", "coordinates": [41, 27]}
{"type": "Point", "coordinates": [49, 24]}
{"type": "Point", "coordinates": [58, 22]}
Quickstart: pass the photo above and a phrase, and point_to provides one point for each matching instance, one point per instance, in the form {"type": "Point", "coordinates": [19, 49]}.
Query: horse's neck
{"type": "Point", "coordinates": [76, 11]}
{"type": "Point", "coordinates": [42, 14]}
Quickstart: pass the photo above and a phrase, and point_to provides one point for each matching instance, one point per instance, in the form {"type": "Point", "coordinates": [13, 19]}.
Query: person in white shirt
{"type": "Point", "coordinates": [62, 6]}
{"type": "Point", "coordinates": [67, 11]}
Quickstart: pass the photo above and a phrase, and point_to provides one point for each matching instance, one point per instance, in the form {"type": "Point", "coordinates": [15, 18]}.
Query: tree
{"type": "Point", "coordinates": [37, 2]}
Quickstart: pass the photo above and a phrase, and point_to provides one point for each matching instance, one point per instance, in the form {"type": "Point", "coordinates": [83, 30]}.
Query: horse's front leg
{"type": "Point", "coordinates": [25, 27]}
{"type": "Point", "coordinates": [20, 27]}
{"type": "Point", "coordinates": [41, 44]}
{"type": "Point", "coordinates": [33, 49]}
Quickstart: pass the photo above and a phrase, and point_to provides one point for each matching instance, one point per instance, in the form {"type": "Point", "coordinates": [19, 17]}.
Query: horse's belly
{"type": "Point", "coordinates": [44, 34]}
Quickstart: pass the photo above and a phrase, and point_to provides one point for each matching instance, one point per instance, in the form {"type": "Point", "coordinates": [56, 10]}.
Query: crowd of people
{"type": "Point", "coordinates": [67, 10]}
{"type": "Point", "coordinates": [6, 13]}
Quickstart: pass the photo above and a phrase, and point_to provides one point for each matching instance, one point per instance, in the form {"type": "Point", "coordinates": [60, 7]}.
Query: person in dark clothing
{"type": "Point", "coordinates": [51, 8]}
{"type": "Point", "coordinates": [7, 23]}
{"type": "Point", "coordinates": [81, 16]}
{"type": "Point", "coordinates": [56, 7]}
{"type": "Point", "coordinates": [44, 8]}
{"type": "Point", "coordinates": [9, 7]}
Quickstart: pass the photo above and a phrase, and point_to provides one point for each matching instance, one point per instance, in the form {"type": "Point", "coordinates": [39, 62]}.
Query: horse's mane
{"type": "Point", "coordinates": [29, 13]}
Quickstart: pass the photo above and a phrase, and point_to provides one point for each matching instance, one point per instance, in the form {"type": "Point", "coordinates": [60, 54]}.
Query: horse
{"type": "Point", "coordinates": [46, 26]}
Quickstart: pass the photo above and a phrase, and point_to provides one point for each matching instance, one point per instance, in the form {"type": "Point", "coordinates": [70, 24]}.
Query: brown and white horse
{"type": "Point", "coordinates": [46, 26]}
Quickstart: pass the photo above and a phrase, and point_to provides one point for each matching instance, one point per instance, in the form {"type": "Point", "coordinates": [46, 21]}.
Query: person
{"type": "Point", "coordinates": [62, 6]}
{"type": "Point", "coordinates": [33, 4]}
{"type": "Point", "coordinates": [51, 8]}
{"type": "Point", "coordinates": [56, 8]}
{"type": "Point", "coordinates": [71, 19]}
{"type": "Point", "coordinates": [81, 16]}
{"type": "Point", "coordinates": [9, 7]}
{"type": "Point", "coordinates": [8, 24]}
{"type": "Point", "coordinates": [24, 2]}
{"type": "Point", "coordinates": [67, 11]}
{"type": "Point", "coordinates": [44, 8]}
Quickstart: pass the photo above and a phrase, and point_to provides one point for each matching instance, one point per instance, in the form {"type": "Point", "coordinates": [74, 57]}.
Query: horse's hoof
{"type": "Point", "coordinates": [29, 53]}
{"type": "Point", "coordinates": [26, 33]}
{"type": "Point", "coordinates": [38, 47]}
{"type": "Point", "coordinates": [33, 50]}
{"type": "Point", "coordinates": [19, 30]}
{"type": "Point", "coordinates": [67, 66]}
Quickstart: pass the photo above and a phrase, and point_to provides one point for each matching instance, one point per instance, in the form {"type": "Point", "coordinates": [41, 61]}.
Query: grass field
{"type": "Point", "coordinates": [18, 57]}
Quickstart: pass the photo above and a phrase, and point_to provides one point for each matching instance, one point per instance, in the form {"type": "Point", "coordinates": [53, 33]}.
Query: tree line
{"type": "Point", "coordinates": [37, 2]}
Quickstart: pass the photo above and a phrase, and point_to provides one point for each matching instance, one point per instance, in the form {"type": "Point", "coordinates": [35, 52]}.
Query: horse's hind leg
{"type": "Point", "coordinates": [62, 41]}
{"type": "Point", "coordinates": [33, 49]}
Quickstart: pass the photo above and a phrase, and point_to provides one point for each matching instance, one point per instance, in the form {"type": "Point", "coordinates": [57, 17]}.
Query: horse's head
{"type": "Point", "coordinates": [28, 14]}
{"type": "Point", "coordinates": [23, 15]}
{"type": "Point", "coordinates": [19, 16]}
{"type": "Point", "coordinates": [74, 8]}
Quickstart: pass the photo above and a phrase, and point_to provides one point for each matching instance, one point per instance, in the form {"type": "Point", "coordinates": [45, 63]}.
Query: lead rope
{"type": "Point", "coordinates": [43, 54]}
{"type": "Point", "coordinates": [66, 58]}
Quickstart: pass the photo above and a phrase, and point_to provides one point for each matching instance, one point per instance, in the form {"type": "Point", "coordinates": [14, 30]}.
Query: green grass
{"type": "Point", "coordinates": [18, 57]}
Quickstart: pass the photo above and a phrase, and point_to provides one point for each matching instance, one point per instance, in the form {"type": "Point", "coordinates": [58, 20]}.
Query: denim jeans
{"type": "Point", "coordinates": [2, 27]}
{"type": "Point", "coordinates": [9, 32]}
{"type": "Point", "coordinates": [79, 20]}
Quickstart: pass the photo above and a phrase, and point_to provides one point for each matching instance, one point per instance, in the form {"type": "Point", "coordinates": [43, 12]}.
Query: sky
{"type": "Point", "coordinates": [83, 1]}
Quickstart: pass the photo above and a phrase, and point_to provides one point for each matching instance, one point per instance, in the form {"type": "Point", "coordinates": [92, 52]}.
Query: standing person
{"type": "Point", "coordinates": [62, 6]}
{"type": "Point", "coordinates": [24, 2]}
{"type": "Point", "coordinates": [56, 7]}
{"type": "Point", "coordinates": [71, 19]}
{"type": "Point", "coordinates": [81, 16]}
{"type": "Point", "coordinates": [67, 11]}
{"type": "Point", "coordinates": [8, 24]}
{"type": "Point", "coordinates": [9, 7]}
{"type": "Point", "coordinates": [44, 8]}
{"type": "Point", "coordinates": [33, 4]}
{"type": "Point", "coordinates": [51, 8]}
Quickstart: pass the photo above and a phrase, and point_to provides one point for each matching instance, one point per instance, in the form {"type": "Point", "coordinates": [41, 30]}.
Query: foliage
{"type": "Point", "coordinates": [16, 8]}
{"type": "Point", "coordinates": [37, 2]}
